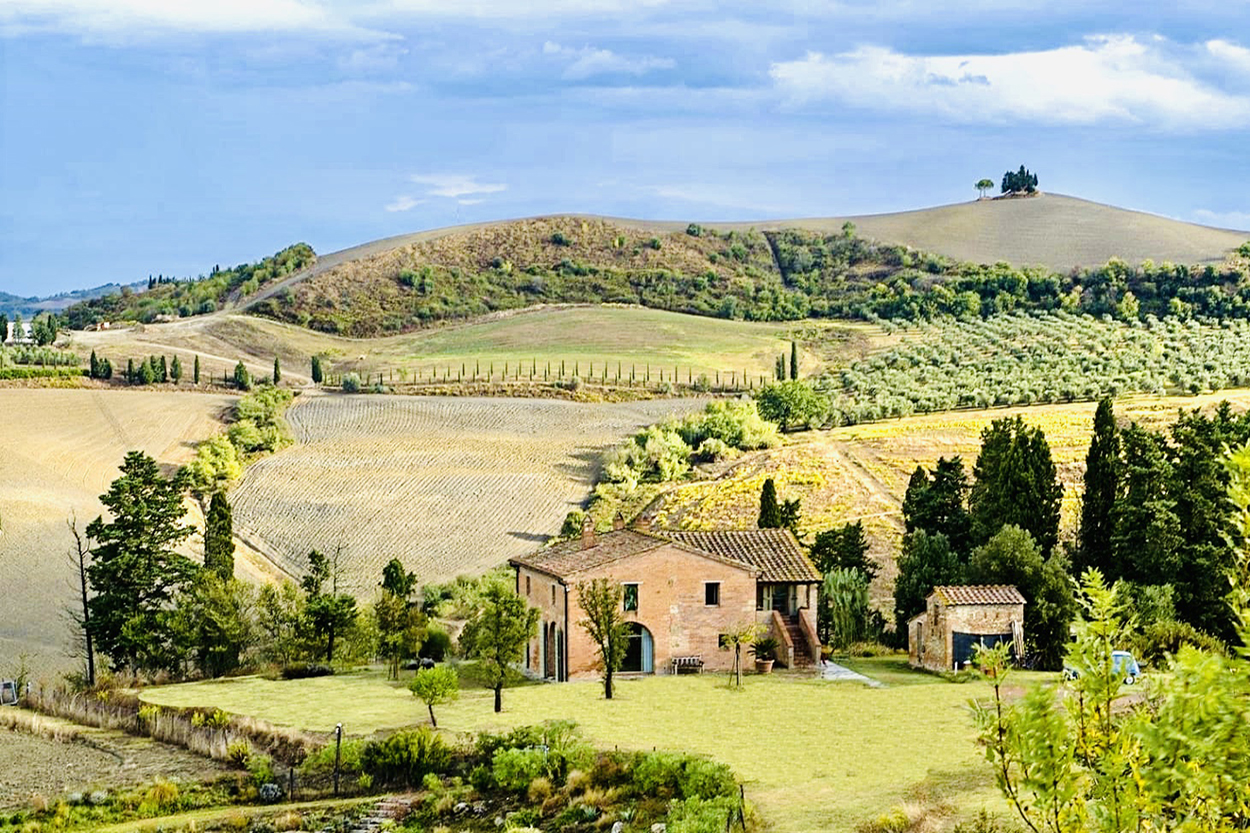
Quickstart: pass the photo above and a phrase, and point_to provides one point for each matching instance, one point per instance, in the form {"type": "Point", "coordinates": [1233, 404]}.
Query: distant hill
{"type": "Point", "coordinates": [11, 305]}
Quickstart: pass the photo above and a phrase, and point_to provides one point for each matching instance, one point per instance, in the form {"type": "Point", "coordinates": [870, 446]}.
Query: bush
{"type": "Point", "coordinates": [321, 762]}
{"type": "Point", "coordinates": [560, 239]}
{"type": "Point", "coordinates": [260, 767]}
{"type": "Point", "coordinates": [514, 769]}
{"type": "Point", "coordinates": [682, 776]}
{"type": "Point", "coordinates": [351, 383]}
{"type": "Point", "coordinates": [437, 644]}
{"type": "Point", "coordinates": [696, 230]}
{"type": "Point", "coordinates": [698, 815]}
{"type": "Point", "coordinates": [304, 670]}
{"type": "Point", "coordinates": [1155, 642]}
{"type": "Point", "coordinates": [405, 758]}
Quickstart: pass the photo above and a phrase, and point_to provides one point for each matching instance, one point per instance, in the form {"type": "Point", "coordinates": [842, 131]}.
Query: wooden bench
{"type": "Point", "coordinates": [688, 665]}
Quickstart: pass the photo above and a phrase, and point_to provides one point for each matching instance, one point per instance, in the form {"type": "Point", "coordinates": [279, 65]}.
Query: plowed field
{"type": "Point", "coordinates": [448, 485]}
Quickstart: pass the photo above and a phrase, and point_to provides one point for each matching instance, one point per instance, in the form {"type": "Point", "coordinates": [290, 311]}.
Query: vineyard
{"type": "Point", "coordinates": [448, 485]}
{"type": "Point", "coordinates": [61, 450]}
{"type": "Point", "coordinates": [1037, 359]}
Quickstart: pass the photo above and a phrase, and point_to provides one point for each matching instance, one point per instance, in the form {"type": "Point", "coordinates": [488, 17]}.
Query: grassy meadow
{"type": "Point", "coordinates": [814, 755]}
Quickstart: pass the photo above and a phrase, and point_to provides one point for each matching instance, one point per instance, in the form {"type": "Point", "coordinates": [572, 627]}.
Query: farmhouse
{"type": "Point", "coordinates": [957, 618]}
{"type": "Point", "coordinates": [682, 590]}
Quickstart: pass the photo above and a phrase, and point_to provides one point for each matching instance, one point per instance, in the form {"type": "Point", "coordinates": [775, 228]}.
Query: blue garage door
{"type": "Point", "coordinates": [962, 644]}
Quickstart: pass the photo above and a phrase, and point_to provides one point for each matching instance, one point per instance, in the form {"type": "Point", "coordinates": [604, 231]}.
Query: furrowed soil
{"type": "Point", "coordinates": [61, 450]}
{"type": "Point", "coordinates": [97, 759]}
{"type": "Point", "coordinates": [449, 486]}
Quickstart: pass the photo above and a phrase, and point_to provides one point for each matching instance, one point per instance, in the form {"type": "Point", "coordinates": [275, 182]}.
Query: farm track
{"type": "Point", "coordinates": [447, 485]}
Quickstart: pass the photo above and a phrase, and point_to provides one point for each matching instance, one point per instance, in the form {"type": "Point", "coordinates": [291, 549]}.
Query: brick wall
{"type": "Point", "coordinates": [936, 642]}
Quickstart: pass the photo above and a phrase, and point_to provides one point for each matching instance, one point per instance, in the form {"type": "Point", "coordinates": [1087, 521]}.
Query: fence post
{"type": "Point", "coordinates": [338, 750]}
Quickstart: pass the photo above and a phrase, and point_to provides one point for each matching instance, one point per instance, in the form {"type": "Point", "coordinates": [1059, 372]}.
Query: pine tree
{"type": "Point", "coordinates": [277, 371]}
{"type": "Point", "coordinates": [1015, 482]}
{"type": "Point", "coordinates": [935, 503]}
{"type": "Point", "coordinates": [770, 511]}
{"type": "Point", "coordinates": [1146, 538]}
{"type": "Point", "coordinates": [1102, 484]}
{"type": "Point", "coordinates": [317, 375]}
{"type": "Point", "coordinates": [843, 548]}
{"type": "Point", "coordinates": [219, 538]}
{"type": "Point", "coordinates": [106, 369]}
{"type": "Point", "coordinates": [925, 562]}
{"type": "Point", "coordinates": [794, 360]}
{"type": "Point", "coordinates": [175, 370]}
{"type": "Point", "coordinates": [135, 572]}
{"type": "Point", "coordinates": [195, 373]}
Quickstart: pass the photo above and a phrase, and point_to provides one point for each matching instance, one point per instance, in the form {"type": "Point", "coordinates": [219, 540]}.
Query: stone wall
{"type": "Point", "coordinates": [930, 637]}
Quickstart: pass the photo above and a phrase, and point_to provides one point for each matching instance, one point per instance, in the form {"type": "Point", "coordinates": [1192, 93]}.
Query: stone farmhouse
{"type": "Point", "coordinates": [957, 618]}
{"type": "Point", "coordinates": [682, 591]}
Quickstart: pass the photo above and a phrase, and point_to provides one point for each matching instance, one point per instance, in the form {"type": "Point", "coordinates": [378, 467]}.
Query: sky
{"type": "Point", "coordinates": [142, 137]}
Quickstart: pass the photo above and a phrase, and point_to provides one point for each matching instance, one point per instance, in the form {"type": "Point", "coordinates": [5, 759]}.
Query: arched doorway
{"type": "Point", "coordinates": [640, 652]}
{"type": "Point", "coordinates": [550, 651]}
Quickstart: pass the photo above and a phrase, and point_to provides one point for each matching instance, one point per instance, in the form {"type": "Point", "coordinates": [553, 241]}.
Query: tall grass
{"type": "Point", "coordinates": [178, 727]}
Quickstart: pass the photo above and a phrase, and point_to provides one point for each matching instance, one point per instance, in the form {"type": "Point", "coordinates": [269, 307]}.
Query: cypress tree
{"type": "Point", "coordinates": [130, 371]}
{"type": "Point", "coordinates": [1102, 484]}
{"type": "Point", "coordinates": [146, 375]}
{"type": "Point", "coordinates": [1147, 535]}
{"type": "Point", "coordinates": [277, 371]}
{"type": "Point", "coordinates": [317, 374]}
{"type": "Point", "coordinates": [175, 370]}
{"type": "Point", "coordinates": [242, 379]}
{"type": "Point", "coordinates": [195, 373]}
{"type": "Point", "coordinates": [95, 366]}
{"type": "Point", "coordinates": [164, 370]}
{"type": "Point", "coordinates": [1015, 482]}
{"type": "Point", "coordinates": [794, 360]}
{"type": "Point", "coordinates": [219, 538]}
{"type": "Point", "coordinates": [770, 511]}
{"type": "Point", "coordinates": [934, 502]}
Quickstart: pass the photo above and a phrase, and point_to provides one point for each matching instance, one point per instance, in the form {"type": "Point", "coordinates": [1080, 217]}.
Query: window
{"type": "Point", "coordinates": [759, 597]}
{"type": "Point", "coordinates": [722, 641]}
{"type": "Point", "coordinates": [711, 593]}
{"type": "Point", "coordinates": [527, 585]}
{"type": "Point", "coordinates": [630, 596]}
{"type": "Point", "coordinates": [553, 593]}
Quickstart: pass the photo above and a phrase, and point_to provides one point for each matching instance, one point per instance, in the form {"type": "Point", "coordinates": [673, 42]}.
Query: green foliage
{"type": "Point", "coordinates": [1012, 557]}
{"type": "Point", "coordinates": [195, 374]}
{"type": "Point", "coordinates": [25, 356]}
{"type": "Point", "coordinates": [925, 562]}
{"type": "Point", "coordinates": [279, 619]}
{"type": "Point", "coordinates": [1015, 482]}
{"type": "Point", "coordinates": [185, 298]}
{"type": "Point", "coordinates": [320, 762]}
{"type": "Point", "coordinates": [770, 510]}
{"type": "Point", "coordinates": [435, 686]}
{"type": "Point", "coordinates": [844, 595]}
{"type": "Point", "coordinates": [328, 613]}
{"type": "Point", "coordinates": [1102, 483]}
{"type": "Point", "coordinates": [680, 776]}
{"type": "Point", "coordinates": [843, 547]}
{"type": "Point", "coordinates": [1019, 181]}
{"type": "Point", "coordinates": [514, 769]}
{"type": "Point", "coordinates": [317, 373]}
{"type": "Point", "coordinates": [351, 383]}
{"type": "Point", "coordinates": [219, 538]}
{"type": "Point", "coordinates": [175, 369]}
{"type": "Point", "coordinates": [242, 379]}
{"type": "Point", "coordinates": [277, 370]}
{"type": "Point", "coordinates": [405, 758]}
{"type": "Point", "coordinates": [793, 404]}
{"type": "Point", "coordinates": [935, 502]}
{"type": "Point", "coordinates": [601, 600]}
{"type": "Point", "coordinates": [135, 572]}
{"type": "Point", "coordinates": [213, 623]}
{"type": "Point", "coordinates": [501, 629]}
{"type": "Point", "coordinates": [697, 815]}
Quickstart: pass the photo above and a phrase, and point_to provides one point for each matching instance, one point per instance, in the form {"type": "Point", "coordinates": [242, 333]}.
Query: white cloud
{"type": "Point", "coordinates": [470, 202]}
{"type": "Point", "coordinates": [403, 203]}
{"type": "Point", "coordinates": [125, 19]}
{"type": "Point", "coordinates": [1106, 78]}
{"type": "Point", "coordinates": [1230, 55]}
{"type": "Point", "coordinates": [588, 61]}
{"type": "Point", "coordinates": [1223, 219]}
{"type": "Point", "coordinates": [455, 185]}
{"type": "Point", "coordinates": [377, 58]}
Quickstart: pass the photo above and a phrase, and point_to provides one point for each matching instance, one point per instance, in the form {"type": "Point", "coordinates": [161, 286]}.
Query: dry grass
{"type": "Point", "coordinates": [61, 450]}
{"type": "Point", "coordinates": [448, 485]}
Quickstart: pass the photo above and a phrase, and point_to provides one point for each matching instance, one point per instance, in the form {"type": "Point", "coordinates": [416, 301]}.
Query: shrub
{"type": "Point", "coordinates": [304, 670]}
{"type": "Point", "coordinates": [696, 230]}
{"type": "Point", "coordinates": [560, 239]}
{"type": "Point", "coordinates": [238, 752]}
{"type": "Point", "coordinates": [1159, 639]}
{"type": "Point", "coordinates": [162, 794]}
{"type": "Point", "coordinates": [682, 776]}
{"type": "Point", "coordinates": [712, 450]}
{"type": "Point", "coordinates": [698, 815]}
{"type": "Point", "coordinates": [539, 790]}
{"type": "Point", "coordinates": [437, 644]}
{"type": "Point", "coordinates": [260, 767]}
{"type": "Point", "coordinates": [405, 758]}
{"type": "Point", "coordinates": [351, 383]}
{"type": "Point", "coordinates": [514, 769]}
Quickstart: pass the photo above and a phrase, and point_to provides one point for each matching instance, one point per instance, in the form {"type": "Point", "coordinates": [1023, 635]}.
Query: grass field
{"type": "Point", "coordinates": [629, 335]}
{"type": "Point", "coordinates": [815, 756]}
{"type": "Point", "coordinates": [860, 472]}
{"type": "Point", "coordinates": [449, 485]}
{"type": "Point", "coordinates": [61, 450]}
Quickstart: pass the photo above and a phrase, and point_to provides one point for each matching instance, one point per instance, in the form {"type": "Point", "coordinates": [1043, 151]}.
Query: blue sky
{"type": "Point", "coordinates": [148, 136]}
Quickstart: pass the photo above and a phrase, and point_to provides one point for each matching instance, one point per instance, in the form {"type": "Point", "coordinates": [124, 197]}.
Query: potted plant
{"type": "Point", "coordinates": [764, 650]}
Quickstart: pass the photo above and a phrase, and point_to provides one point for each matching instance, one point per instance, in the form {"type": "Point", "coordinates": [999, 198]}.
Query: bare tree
{"type": "Point", "coordinates": [78, 556]}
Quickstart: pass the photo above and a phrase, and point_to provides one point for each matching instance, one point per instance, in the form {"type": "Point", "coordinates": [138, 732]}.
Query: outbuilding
{"type": "Point", "coordinates": [957, 618]}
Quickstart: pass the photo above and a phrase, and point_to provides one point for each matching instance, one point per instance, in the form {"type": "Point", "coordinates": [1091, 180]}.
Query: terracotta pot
{"type": "Point", "coordinates": [764, 666]}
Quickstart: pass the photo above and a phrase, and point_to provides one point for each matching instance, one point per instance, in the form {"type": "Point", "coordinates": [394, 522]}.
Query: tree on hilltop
{"type": "Point", "coordinates": [984, 185]}
{"type": "Point", "coordinates": [1021, 180]}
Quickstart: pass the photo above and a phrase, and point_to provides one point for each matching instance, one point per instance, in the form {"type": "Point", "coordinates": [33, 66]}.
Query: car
{"type": "Point", "coordinates": [1122, 663]}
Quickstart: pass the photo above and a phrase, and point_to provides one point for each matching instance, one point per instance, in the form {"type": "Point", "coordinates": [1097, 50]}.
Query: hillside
{"type": "Point", "coordinates": [778, 271]}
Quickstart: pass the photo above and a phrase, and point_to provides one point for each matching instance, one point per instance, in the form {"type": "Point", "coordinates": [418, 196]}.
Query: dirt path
{"type": "Point", "coordinates": [875, 486]}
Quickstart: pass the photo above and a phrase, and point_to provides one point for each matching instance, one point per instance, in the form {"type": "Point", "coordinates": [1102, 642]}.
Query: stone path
{"type": "Point", "coordinates": [833, 671]}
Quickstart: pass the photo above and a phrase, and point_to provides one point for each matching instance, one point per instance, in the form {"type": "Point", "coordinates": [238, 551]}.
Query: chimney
{"type": "Point", "coordinates": [618, 522]}
{"type": "Point", "coordinates": [642, 523]}
{"type": "Point", "coordinates": [588, 532]}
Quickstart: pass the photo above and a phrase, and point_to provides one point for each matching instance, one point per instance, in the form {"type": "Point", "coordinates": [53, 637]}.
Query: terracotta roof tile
{"type": "Point", "coordinates": [775, 552]}
{"type": "Point", "coordinates": [568, 558]}
{"type": "Point", "coordinates": [979, 594]}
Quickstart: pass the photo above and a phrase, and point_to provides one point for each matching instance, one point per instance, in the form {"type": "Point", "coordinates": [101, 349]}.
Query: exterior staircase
{"type": "Point", "coordinates": [385, 813]}
{"type": "Point", "coordinates": [802, 656]}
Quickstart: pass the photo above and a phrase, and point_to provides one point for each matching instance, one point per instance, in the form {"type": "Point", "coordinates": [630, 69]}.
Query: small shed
{"type": "Point", "coordinates": [959, 617]}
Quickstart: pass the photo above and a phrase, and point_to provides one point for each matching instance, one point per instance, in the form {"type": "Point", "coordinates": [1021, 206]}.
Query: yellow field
{"type": "Point", "coordinates": [61, 449]}
{"type": "Point", "coordinates": [861, 472]}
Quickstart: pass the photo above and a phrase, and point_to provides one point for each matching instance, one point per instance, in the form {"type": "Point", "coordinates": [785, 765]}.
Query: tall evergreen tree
{"type": "Point", "coordinates": [1146, 538]}
{"type": "Point", "coordinates": [146, 374]}
{"type": "Point", "coordinates": [164, 370]}
{"type": "Point", "coordinates": [1015, 482]}
{"type": "Point", "coordinates": [95, 366]}
{"type": "Point", "coordinates": [242, 379]}
{"type": "Point", "coordinates": [925, 562]}
{"type": "Point", "coordinates": [1102, 484]}
{"type": "Point", "coordinates": [219, 538]}
{"type": "Point", "coordinates": [794, 360]}
{"type": "Point", "coordinates": [317, 374]}
{"type": "Point", "coordinates": [935, 502]}
{"type": "Point", "coordinates": [195, 372]}
{"type": "Point", "coordinates": [135, 572]}
{"type": "Point", "coordinates": [175, 370]}
{"type": "Point", "coordinates": [843, 548]}
{"type": "Point", "coordinates": [130, 371]}
{"type": "Point", "coordinates": [277, 370]}
{"type": "Point", "coordinates": [770, 510]}
{"type": "Point", "coordinates": [4, 328]}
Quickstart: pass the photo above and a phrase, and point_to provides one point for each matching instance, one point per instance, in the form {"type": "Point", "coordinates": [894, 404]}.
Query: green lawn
{"type": "Point", "coordinates": [815, 756]}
